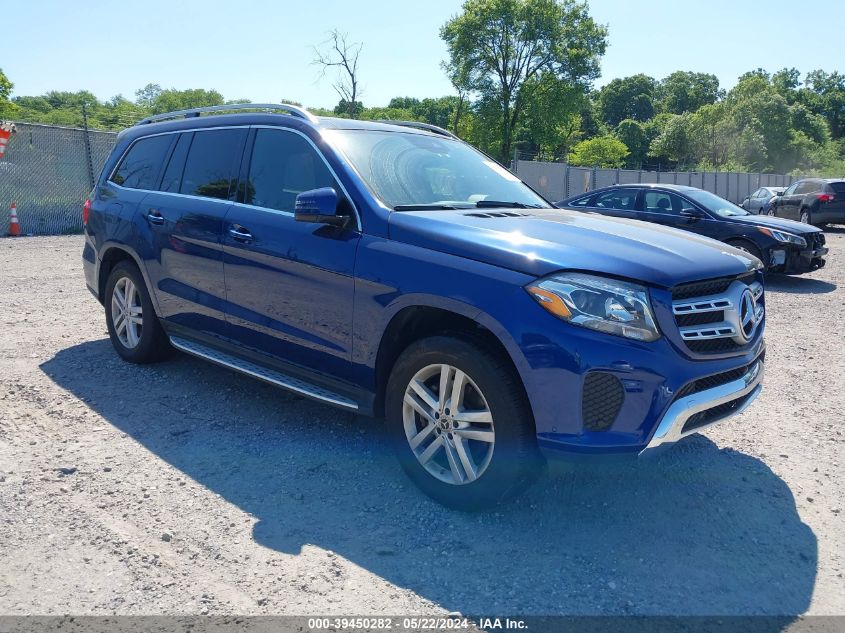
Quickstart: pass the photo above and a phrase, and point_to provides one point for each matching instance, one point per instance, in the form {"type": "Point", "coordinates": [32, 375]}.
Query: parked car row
{"type": "Point", "coordinates": [784, 246]}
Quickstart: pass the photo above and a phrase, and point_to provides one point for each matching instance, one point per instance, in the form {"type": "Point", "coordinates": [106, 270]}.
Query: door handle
{"type": "Point", "coordinates": [155, 217]}
{"type": "Point", "coordinates": [241, 234]}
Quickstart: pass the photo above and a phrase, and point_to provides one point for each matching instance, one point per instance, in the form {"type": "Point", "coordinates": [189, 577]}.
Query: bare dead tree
{"type": "Point", "coordinates": [338, 54]}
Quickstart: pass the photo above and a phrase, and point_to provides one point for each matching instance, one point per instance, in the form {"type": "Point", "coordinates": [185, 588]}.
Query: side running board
{"type": "Point", "coordinates": [272, 376]}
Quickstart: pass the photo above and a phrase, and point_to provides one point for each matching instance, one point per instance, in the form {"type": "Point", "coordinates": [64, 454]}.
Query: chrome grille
{"type": "Point", "coordinates": [723, 317]}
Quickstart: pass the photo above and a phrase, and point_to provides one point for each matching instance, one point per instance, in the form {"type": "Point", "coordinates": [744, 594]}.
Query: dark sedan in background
{"type": "Point", "coordinates": [759, 201]}
{"type": "Point", "coordinates": [817, 201]}
{"type": "Point", "coordinates": [782, 245]}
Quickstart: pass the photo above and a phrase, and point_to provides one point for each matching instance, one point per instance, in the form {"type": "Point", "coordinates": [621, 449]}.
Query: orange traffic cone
{"type": "Point", "coordinates": [14, 225]}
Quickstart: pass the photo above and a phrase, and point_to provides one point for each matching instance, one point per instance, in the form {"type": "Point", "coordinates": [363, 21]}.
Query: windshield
{"type": "Point", "coordinates": [715, 204]}
{"type": "Point", "coordinates": [408, 171]}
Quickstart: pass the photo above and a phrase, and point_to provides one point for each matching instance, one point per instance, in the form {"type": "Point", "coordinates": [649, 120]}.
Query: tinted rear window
{"type": "Point", "coordinates": [838, 187]}
{"type": "Point", "coordinates": [579, 202]}
{"type": "Point", "coordinates": [141, 166]}
{"type": "Point", "coordinates": [808, 186]}
{"type": "Point", "coordinates": [211, 167]}
{"type": "Point", "coordinates": [172, 179]}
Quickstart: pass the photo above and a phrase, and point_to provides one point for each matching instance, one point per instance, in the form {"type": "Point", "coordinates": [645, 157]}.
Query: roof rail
{"type": "Point", "coordinates": [297, 111]}
{"type": "Point", "coordinates": [420, 126]}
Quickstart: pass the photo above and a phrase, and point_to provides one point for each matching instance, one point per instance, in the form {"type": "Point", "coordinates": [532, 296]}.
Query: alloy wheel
{"type": "Point", "coordinates": [127, 313]}
{"type": "Point", "coordinates": [448, 424]}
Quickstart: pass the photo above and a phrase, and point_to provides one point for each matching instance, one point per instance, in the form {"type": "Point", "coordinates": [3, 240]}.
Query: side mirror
{"type": "Point", "coordinates": [693, 215]}
{"type": "Point", "coordinates": [319, 206]}
{"type": "Point", "coordinates": [778, 193]}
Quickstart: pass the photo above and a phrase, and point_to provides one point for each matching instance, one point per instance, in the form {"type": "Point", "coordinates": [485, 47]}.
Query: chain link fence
{"type": "Point", "coordinates": [557, 181]}
{"type": "Point", "coordinates": [48, 171]}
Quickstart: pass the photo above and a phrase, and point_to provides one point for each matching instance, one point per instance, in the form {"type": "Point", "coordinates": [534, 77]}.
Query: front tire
{"type": "Point", "coordinates": [133, 326]}
{"type": "Point", "coordinates": [460, 423]}
{"type": "Point", "coordinates": [749, 248]}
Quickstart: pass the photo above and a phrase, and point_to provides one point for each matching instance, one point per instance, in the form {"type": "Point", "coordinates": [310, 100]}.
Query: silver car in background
{"type": "Point", "coordinates": [759, 201]}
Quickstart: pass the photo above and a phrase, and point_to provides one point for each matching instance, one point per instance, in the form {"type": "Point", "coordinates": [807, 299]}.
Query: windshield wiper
{"type": "Point", "coordinates": [492, 204]}
{"type": "Point", "coordinates": [425, 207]}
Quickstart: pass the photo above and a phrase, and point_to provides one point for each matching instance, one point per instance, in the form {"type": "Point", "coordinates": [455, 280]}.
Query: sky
{"type": "Point", "coordinates": [263, 50]}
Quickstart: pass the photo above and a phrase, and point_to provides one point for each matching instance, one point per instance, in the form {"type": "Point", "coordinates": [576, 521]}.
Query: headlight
{"type": "Point", "coordinates": [598, 303]}
{"type": "Point", "coordinates": [780, 236]}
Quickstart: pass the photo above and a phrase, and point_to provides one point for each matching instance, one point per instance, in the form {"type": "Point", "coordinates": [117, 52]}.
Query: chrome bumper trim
{"type": "Point", "coordinates": [670, 429]}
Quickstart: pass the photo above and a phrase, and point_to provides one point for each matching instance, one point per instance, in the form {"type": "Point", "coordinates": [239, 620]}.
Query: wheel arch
{"type": "Point", "coordinates": [414, 322]}
{"type": "Point", "coordinates": [741, 240]}
{"type": "Point", "coordinates": [110, 256]}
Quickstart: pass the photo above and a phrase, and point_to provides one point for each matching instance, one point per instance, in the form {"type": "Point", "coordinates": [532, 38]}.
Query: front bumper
{"type": "Point", "coordinates": [691, 414]}
{"type": "Point", "coordinates": [794, 261]}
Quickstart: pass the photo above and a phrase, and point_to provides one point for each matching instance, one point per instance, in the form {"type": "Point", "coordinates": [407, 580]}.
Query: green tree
{"type": "Point", "coordinates": [758, 73]}
{"type": "Point", "coordinates": [601, 151]}
{"type": "Point", "coordinates": [348, 110]}
{"type": "Point", "coordinates": [826, 96]}
{"type": "Point", "coordinates": [627, 98]}
{"type": "Point", "coordinates": [116, 113]}
{"type": "Point", "coordinates": [552, 121]}
{"type": "Point", "coordinates": [382, 114]}
{"type": "Point", "coordinates": [634, 135]}
{"type": "Point", "coordinates": [146, 96]}
{"type": "Point", "coordinates": [497, 47]}
{"type": "Point", "coordinates": [5, 86]}
{"type": "Point", "coordinates": [787, 81]}
{"type": "Point", "coordinates": [756, 111]}
{"type": "Point", "coordinates": [171, 100]}
{"type": "Point", "coordinates": [674, 144]}
{"type": "Point", "coordinates": [7, 108]}
{"type": "Point", "coordinates": [404, 103]}
{"type": "Point", "coordinates": [687, 91]}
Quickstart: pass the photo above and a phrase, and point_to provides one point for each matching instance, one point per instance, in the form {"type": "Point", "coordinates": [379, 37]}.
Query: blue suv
{"type": "Point", "coordinates": [390, 269]}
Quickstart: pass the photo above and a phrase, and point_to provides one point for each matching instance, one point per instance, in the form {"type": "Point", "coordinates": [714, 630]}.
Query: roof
{"type": "Point", "coordinates": [662, 185]}
{"type": "Point", "coordinates": [267, 114]}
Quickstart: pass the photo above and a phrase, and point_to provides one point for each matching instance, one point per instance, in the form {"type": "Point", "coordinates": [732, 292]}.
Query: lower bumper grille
{"type": "Point", "coordinates": [718, 412]}
{"type": "Point", "coordinates": [708, 382]}
{"type": "Point", "coordinates": [601, 401]}
{"type": "Point", "coordinates": [691, 412]}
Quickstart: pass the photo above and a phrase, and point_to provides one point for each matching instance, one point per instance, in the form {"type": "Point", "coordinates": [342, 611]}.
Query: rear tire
{"type": "Point", "coordinates": [806, 218]}
{"type": "Point", "coordinates": [133, 326]}
{"type": "Point", "coordinates": [475, 445]}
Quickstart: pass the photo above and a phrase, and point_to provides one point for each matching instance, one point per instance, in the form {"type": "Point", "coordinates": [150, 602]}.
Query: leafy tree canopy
{"type": "Point", "coordinates": [687, 91]}
{"type": "Point", "coordinates": [627, 98]}
{"type": "Point", "coordinates": [499, 48]}
{"type": "Point", "coordinates": [601, 151]}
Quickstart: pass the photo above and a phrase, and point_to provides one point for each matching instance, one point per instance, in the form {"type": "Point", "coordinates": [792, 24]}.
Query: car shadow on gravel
{"type": "Point", "coordinates": [798, 285]}
{"type": "Point", "coordinates": [701, 530]}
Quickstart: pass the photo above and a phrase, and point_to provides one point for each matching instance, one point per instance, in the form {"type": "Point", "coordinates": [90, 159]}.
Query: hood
{"type": "Point", "coordinates": [782, 224]}
{"type": "Point", "coordinates": [540, 242]}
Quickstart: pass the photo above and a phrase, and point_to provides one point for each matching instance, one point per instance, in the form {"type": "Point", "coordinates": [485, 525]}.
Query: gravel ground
{"type": "Point", "coordinates": [183, 488]}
